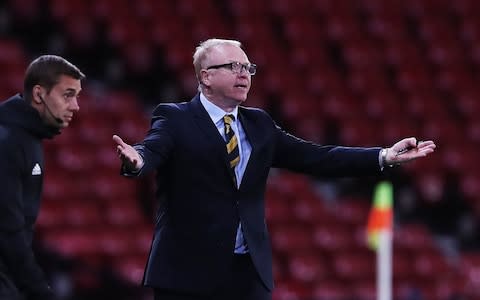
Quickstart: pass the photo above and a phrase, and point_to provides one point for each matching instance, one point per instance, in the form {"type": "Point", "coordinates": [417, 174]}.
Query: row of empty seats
{"type": "Point", "coordinates": [366, 72]}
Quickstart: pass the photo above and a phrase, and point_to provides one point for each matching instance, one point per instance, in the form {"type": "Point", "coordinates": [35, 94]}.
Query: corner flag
{"type": "Point", "coordinates": [381, 215]}
{"type": "Point", "coordinates": [379, 231]}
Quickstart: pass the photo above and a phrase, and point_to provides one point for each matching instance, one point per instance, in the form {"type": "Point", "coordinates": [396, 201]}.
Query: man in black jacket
{"type": "Point", "coordinates": [212, 156]}
{"type": "Point", "coordinates": [49, 101]}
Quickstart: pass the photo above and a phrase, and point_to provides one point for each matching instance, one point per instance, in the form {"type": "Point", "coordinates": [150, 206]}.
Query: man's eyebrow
{"type": "Point", "coordinates": [69, 90]}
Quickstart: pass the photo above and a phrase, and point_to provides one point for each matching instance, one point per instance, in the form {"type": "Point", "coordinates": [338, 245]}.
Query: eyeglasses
{"type": "Point", "coordinates": [237, 67]}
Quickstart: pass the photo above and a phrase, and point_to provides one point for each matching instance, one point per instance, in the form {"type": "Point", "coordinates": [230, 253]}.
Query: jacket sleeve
{"type": "Point", "coordinates": [15, 250]}
{"type": "Point", "coordinates": [295, 154]}
{"type": "Point", "coordinates": [157, 145]}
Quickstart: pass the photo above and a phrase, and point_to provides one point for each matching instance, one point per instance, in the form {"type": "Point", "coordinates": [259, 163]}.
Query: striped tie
{"type": "Point", "coordinates": [232, 144]}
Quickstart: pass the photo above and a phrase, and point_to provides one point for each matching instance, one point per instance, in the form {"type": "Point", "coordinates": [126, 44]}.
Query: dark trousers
{"type": "Point", "coordinates": [243, 283]}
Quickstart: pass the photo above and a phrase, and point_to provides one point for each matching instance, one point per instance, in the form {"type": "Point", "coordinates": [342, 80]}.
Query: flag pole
{"type": "Point", "coordinates": [379, 237]}
{"type": "Point", "coordinates": [384, 266]}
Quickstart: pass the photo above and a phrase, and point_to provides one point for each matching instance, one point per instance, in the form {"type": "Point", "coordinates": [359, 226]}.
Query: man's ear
{"type": "Point", "coordinates": [36, 94]}
{"type": "Point", "coordinates": [204, 78]}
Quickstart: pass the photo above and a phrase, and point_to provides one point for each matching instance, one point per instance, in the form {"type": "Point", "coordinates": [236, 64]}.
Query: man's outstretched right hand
{"type": "Point", "coordinates": [131, 160]}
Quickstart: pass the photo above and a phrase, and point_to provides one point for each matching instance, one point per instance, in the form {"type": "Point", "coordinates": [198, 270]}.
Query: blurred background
{"type": "Point", "coordinates": [350, 72]}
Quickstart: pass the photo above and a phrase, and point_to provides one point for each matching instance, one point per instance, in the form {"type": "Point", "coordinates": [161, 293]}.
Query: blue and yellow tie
{"type": "Point", "coordinates": [232, 144]}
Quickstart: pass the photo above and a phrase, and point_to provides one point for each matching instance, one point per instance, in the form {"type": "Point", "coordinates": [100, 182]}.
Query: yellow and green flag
{"type": "Point", "coordinates": [381, 214]}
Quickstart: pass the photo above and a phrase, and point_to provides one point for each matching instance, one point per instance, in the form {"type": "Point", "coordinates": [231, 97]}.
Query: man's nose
{"type": "Point", "coordinates": [74, 105]}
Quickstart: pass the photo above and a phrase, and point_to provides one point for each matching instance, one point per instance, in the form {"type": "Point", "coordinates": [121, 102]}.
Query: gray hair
{"type": "Point", "coordinates": [204, 49]}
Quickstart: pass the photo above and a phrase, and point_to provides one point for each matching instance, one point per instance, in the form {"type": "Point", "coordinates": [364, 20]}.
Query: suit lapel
{"type": "Point", "coordinates": [204, 122]}
{"type": "Point", "coordinates": [254, 138]}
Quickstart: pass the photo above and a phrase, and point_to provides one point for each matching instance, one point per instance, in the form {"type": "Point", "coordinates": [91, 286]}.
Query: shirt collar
{"type": "Point", "coordinates": [215, 112]}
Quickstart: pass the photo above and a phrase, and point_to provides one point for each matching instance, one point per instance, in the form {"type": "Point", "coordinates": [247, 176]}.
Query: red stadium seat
{"type": "Point", "coordinates": [123, 213]}
{"type": "Point", "coordinates": [312, 210]}
{"type": "Point", "coordinates": [431, 187]}
{"type": "Point", "coordinates": [241, 9]}
{"type": "Point", "coordinates": [278, 211]}
{"type": "Point", "coordinates": [333, 237]}
{"type": "Point", "coordinates": [290, 290]}
{"type": "Point", "coordinates": [251, 30]}
{"type": "Point", "coordinates": [332, 7]}
{"type": "Point", "coordinates": [467, 103]}
{"type": "Point", "coordinates": [402, 265]}
{"type": "Point", "coordinates": [310, 56]}
{"type": "Point", "coordinates": [414, 79]}
{"type": "Point", "coordinates": [163, 29]}
{"type": "Point", "coordinates": [304, 106]}
{"type": "Point", "coordinates": [443, 129]}
{"type": "Point", "coordinates": [465, 8]}
{"type": "Point", "coordinates": [402, 54]}
{"type": "Point", "coordinates": [307, 267]}
{"type": "Point", "coordinates": [81, 31]}
{"type": "Point", "coordinates": [63, 10]}
{"type": "Point", "coordinates": [352, 210]}
{"type": "Point", "coordinates": [290, 185]}
{"type": "Point", "coordinates": [429, 264]}
{"type": "Point", "coordinates": [130, 268]}
{"type": "Point", "coordinates": [95, 131]}
{"type": "Point", "coordinates": [303, 29]}
{"type": "Point", "coordinates": [206, 26]}
{"type": "Point", "coordinates": [142, 238]}
{"type": "Point", "coordinates": [26, 10]}
{"type": "Point", "coordinates": [470, 186]}
{"type": "Point", "coordinates": [358, 130]}
{"type": "Point", "coordinates": [77, 244]}
{"type": "Point", "coordinates": [473, 131]}
{"type": "Point", "coordinates": [280, 270]}
{"type": "Point", "coordinates": [455, 77]}
{"type": "Point", "coordinates": [449, 287]}
{"type": "Point", "coordinates": [459, 159]}
{"type": "Point", "coordinates": [310, 128]}
{"type": "Point", "coordinates": [387, 24]}
{"type": "Point", "coordinates": [413, 237]}
{"type": "Point", "coordinates": [343, 27]}
{"type": "Point", "coordinates": [58, 188]}
{"type": "Point", "coordinates": [178, 55]}
{"type": "Point", "coordinates": [190, 8]}
{"type": "Point", "coordinates": [109, 186]}
{"type": "Point", "coordinates": [286, 8]}
{"type": "Point", "coordinates": [134, 128]}
{"type": "Point", "coordinates": [52, 215]}
{"type": "Point", "coordinates": [139, 56]}
{"type": "Point", "coordinates": [288, 239]}
{"type": "Point", "coordinates": [365, 290]}
{"type": "Point", "coordinates": [331, 290]}
{"type": "Point", "coordinates": [323, 81]}
{"type": "Point", "coordinates": [397, 127]}
{"type": "Point", "coordinates": [11, 53]}
{"type": "Point", "coordinates": [84, 214]}
{"type": "Point", "coordinates": [354, 265]}
{"type": "Point", "coordinates": [76, 160]}
{"type": "Point", "coordinates": [362, 54]}
{"type": "Point", "coordinates": [340, 106]}
{"type": "Point", "coordinates": [371, 81]}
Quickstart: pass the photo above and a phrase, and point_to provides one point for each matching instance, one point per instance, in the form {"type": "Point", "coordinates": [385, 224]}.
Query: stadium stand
{"type": "Point", "coordinates": [350, 72]}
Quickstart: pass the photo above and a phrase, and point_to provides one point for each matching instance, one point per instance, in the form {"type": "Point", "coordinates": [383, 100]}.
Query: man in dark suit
{"type": "Point", "coordinates": [212, 159]}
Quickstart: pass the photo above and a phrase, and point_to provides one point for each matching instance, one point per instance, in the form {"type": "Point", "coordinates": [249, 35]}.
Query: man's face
{"type": "Point", "coordinates": [62, 101]}
{"type": "Point", "coordinates": [227, 85]}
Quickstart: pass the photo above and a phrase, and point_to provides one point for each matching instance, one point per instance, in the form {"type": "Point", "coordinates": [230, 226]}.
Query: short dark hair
{"type": "Point", "coordinates": [46, 71]}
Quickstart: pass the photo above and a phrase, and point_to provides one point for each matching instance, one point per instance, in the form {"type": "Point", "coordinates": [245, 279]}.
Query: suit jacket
{"type": "Point", "coordinates": [200, 207]}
